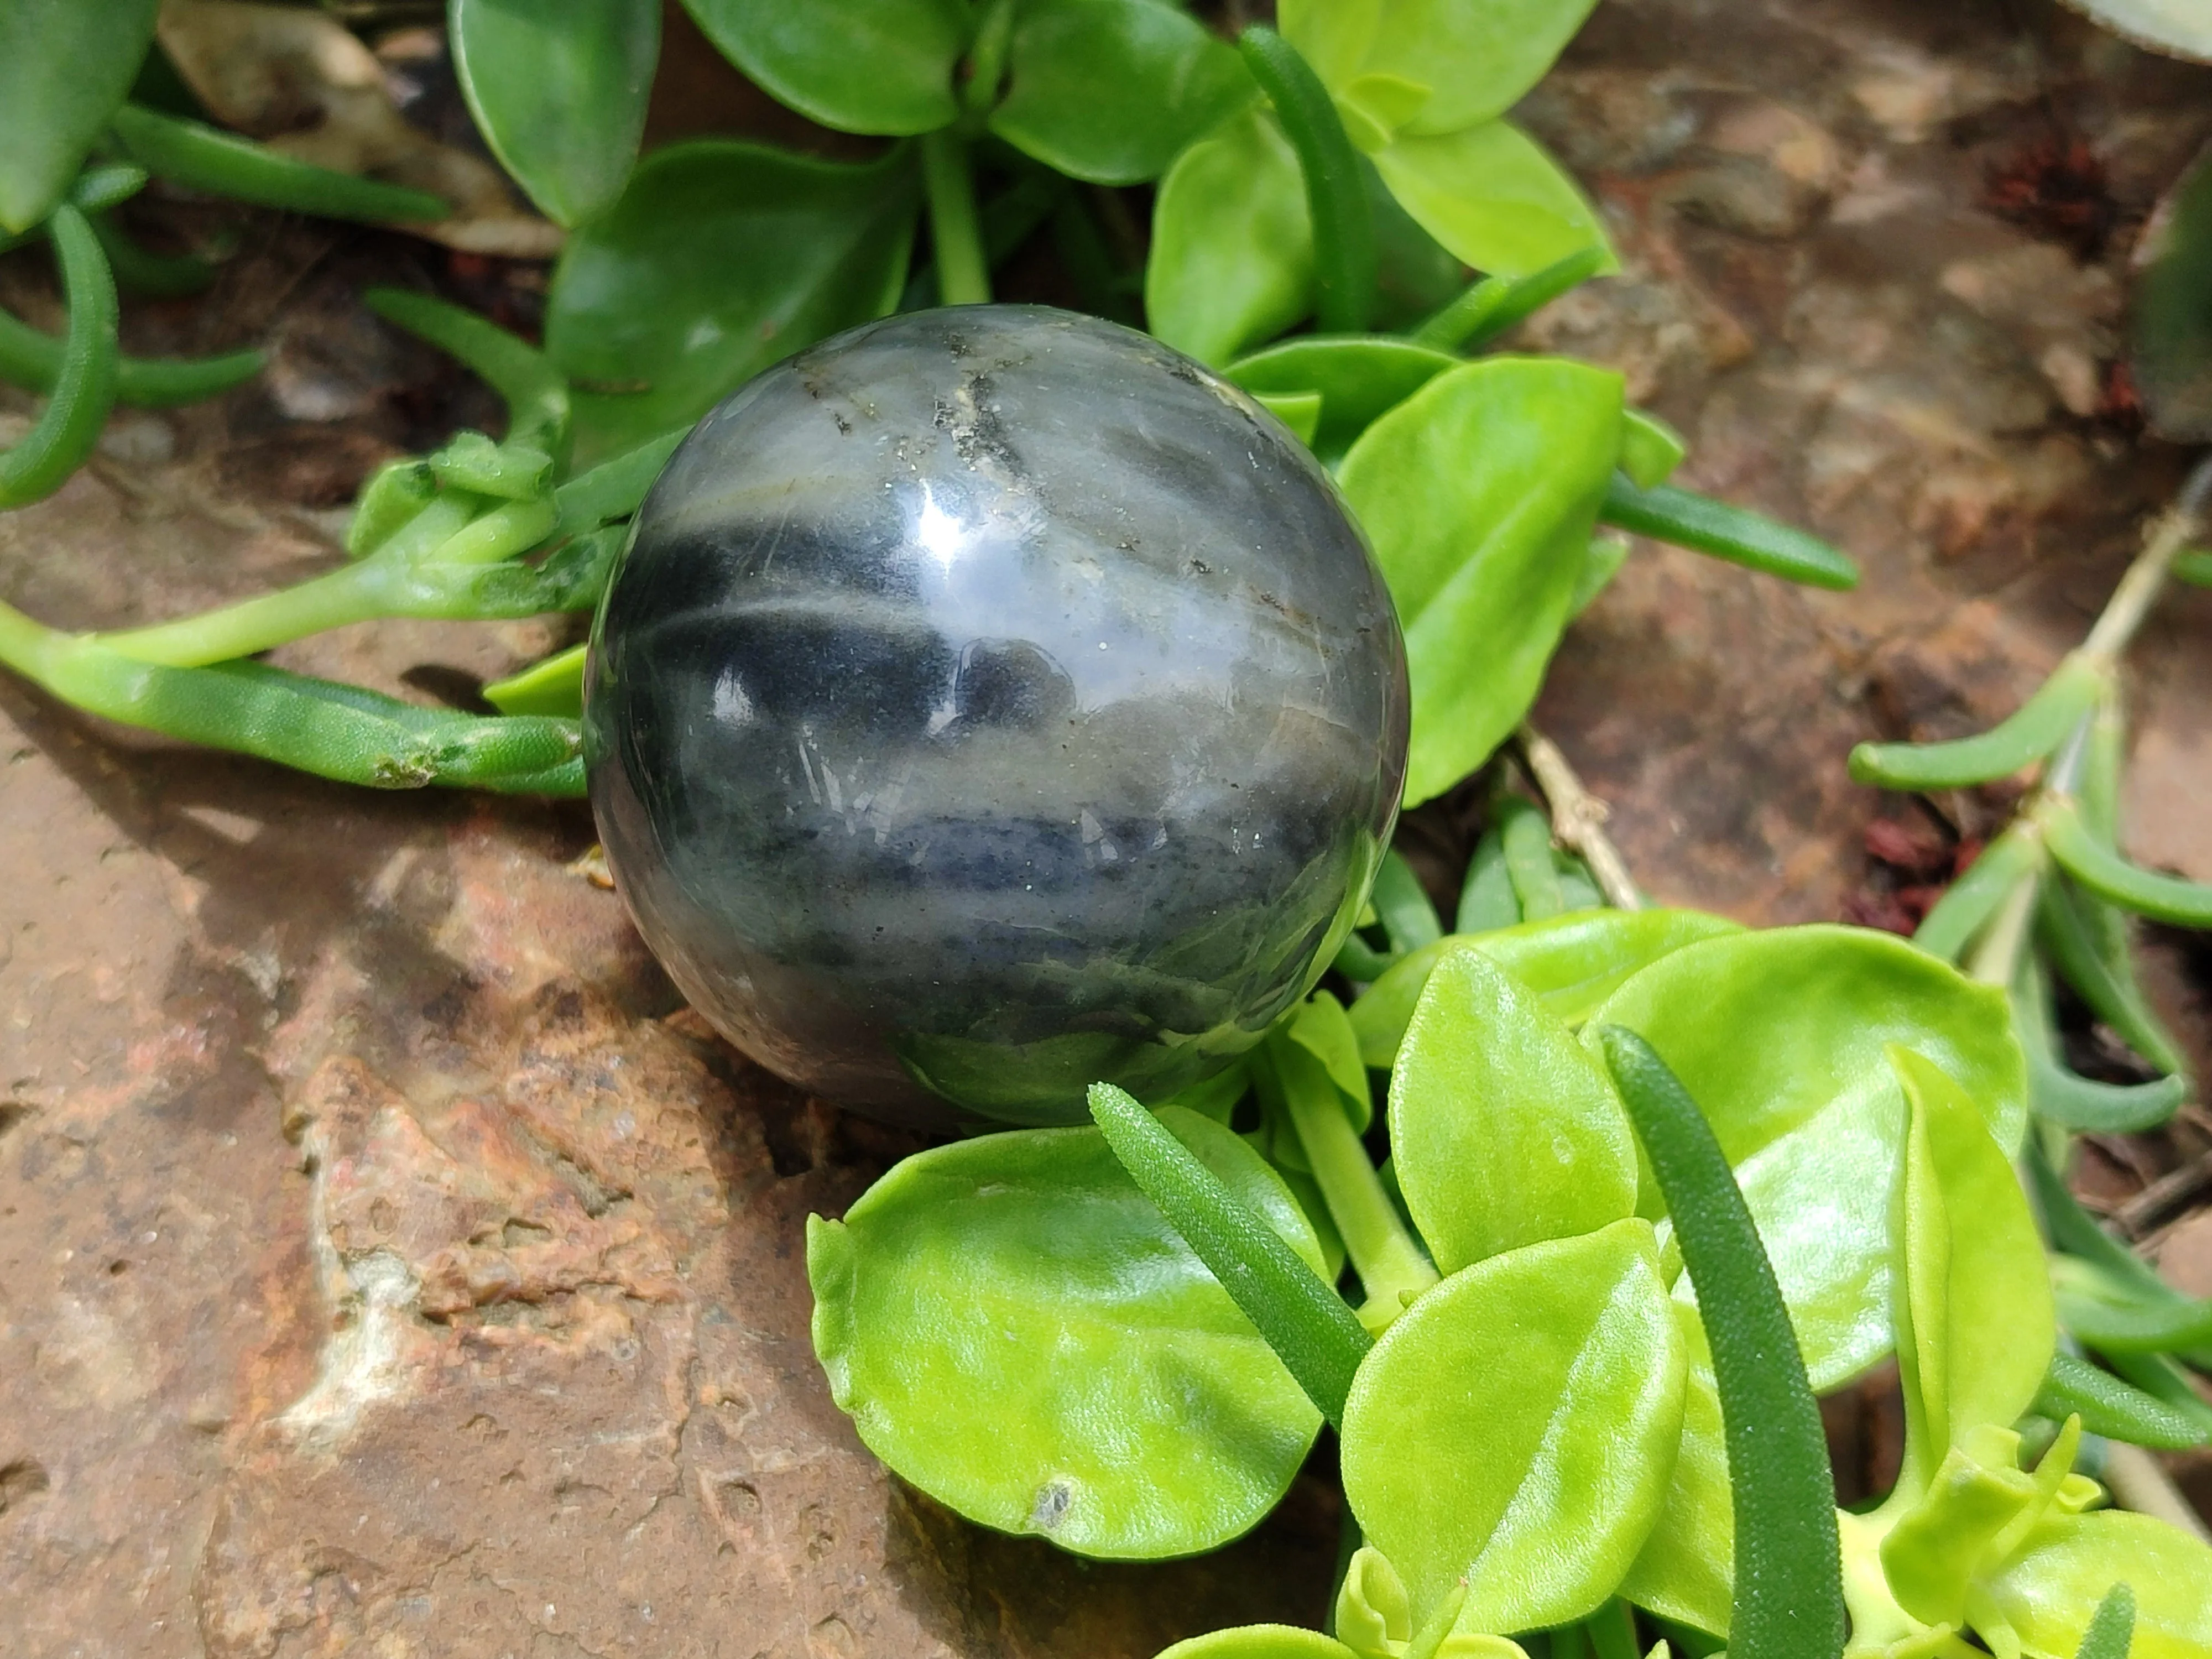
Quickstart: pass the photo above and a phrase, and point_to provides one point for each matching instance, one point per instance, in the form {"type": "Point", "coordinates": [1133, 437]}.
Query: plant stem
{"type": "Point", "coordinates": [1996, 959]}
{"type": "Point", "coordinates": [349, 594]}
{"type": "Point", "coordinates": [1578, 818]}
{"type": "Point", "coordinates": [1392, 1268]}
{"type": "Point", "coordinates": [955, 232]}
{"type": "Point", "coordinates": [2131, 600]}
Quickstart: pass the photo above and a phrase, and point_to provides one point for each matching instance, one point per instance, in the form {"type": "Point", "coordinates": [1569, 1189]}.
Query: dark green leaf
{"type": "Point", "coordinates": [1112, 90]}
{"type": "Point", "coordinates": [64, 67]}
{"type": "Point", "coordinates": [2112, 1632]}
{"type": "Point", "coordinates": [880, 66]}
{"type": "Point", "coordinates": [558, 88]}
{"type": "Point", "coordinates": [1788, 1601]}
{"type": "Point", "coordinates": [206, 158]}
{"type": "Point", "coordinates": [1336, 190]}
{"type": "Point", "coordinates": [1733, 533]}
{"type": "Point", "coordinates": [720, 260]}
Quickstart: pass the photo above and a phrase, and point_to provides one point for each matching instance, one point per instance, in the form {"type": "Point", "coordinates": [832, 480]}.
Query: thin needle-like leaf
{"type": "Point", "coordinates": [1308, 1326]}
{"type": "Point", "coordinates": [1789, 1598]}
{"type": "Point", "coordinates": [2112, 1630]}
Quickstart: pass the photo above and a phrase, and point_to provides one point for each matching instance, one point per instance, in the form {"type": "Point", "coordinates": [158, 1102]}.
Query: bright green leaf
{"type": "Point", "coordinates": [720, 260]}
{"type": "Point", "coordinates": [1232, 260]}
{"type": "Point", "coordinates": [1779, 1036]}
{"type": "Point", "coordinates": [1516, 1427]}
{"type": "Point", "coordinates": [1478, 492]}
{"type": "Point", "coordinates": [1110, 1396]}
{"type": "Point", "coordinates": [2050, 1589]}
{"type": "Point", "coordinates": [869, 66]}
{"type": "Point", "coordinates": [1260, 1642]}
{"type": "Point", "coordinates": [1686, 1571]}
{"type": "Point", "coordinates": [1977, 1295]}
{"type": "Point", "coordinates": [1492, 196]}
{"type": "Point", "coordinates": [558, 91]}
{"type": "Point", "coordinates": [1476, 60]}
{"type": "Point", "coordinates": [1360, 377]}
{"type": "Point", "coordinates": [1503, 1130]}
{"type": "Point", "coordinates": [1112, 90]}
{"type": "Point", "coordinates": [66, 66]}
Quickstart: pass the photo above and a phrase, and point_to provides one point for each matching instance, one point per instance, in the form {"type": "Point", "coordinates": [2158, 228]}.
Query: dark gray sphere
{"type": "Point", "coordinates": [991, 701]}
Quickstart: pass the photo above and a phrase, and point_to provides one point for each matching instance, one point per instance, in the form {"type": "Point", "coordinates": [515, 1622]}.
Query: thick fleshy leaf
{"type": "Point", "coordinates": [2050, 1589]}
{"type": "Point", "coordinates": [1685, 1570]}
{"type": "Point", "coordinates": [66, 66]}
{"type": "Point", "coordinates": [878, 66]}
{"type": "Point", "coordinates": [1779, 1036]}
{"type": "Point", "coordinates": [720, 260]}
{"type": "Point", "coordinates": [1478, 492]}
{"type": "Point", "coordinates": [1112, 90]}
{"type": "Point", "coordinates": [1492, 196]}
{"type": "Point", "coordinates": [1454, 63]}
{"type": "Point", "coordinates": [1505, 1131]}
{"type": "Point", "coordinates": [1232, 260]}
{"type": "Point", "coordinates": [1573, 963]}
{"type": "Point", "coordinates": [1359, 377]}
{"type": "Point", "coordinates": [558, 91]}
{"type": "Point", "coordinates": [1110, 1395]}
{"type": "Point", "coordinates": [1260, 1642]}
{"type": "Point", "coordinates": [1977, 1291]}
{"type": "Point", "coordinates": [1516, 1427]}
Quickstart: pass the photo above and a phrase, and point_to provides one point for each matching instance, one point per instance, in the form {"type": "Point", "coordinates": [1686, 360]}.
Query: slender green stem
{"type": "Point", "coordinates": [1997, 955]}
{"type": "Point", "coordinates": [1345, 260]}
{"type": "Point", "coordinates": [963, 277]}
{"type": "Point", "coordinates": [1393, 1269]}
{"type": "Point", "coordinates": [1789, 1599]}
{"type": "Point", "coordinates": [2115, 1409]}
{"type": "Point", "coordinates": [1967, 905]}
{"type": "Point", "coordinates": [32, 359]}
{"type": "Point", "coordinates": [535, 393]}
{"type": "Point", "coordinates": [1487, 308]}
{"type": "Point", "coordinates": [204, 158]}
{"type": "Point", "coordinates": [84, 381]}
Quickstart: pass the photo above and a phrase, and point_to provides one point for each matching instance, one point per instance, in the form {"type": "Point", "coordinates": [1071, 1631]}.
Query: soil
{"type": "Point", "coordinates": [389, 1263]}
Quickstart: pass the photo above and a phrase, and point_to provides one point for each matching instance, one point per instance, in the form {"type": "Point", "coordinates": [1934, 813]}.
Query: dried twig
{"type": "Point", "coordinates": [1578, 818]}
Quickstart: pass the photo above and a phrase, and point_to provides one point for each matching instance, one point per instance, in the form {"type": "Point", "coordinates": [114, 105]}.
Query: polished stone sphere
{"type": "Point", "coordinates": [991, 701]}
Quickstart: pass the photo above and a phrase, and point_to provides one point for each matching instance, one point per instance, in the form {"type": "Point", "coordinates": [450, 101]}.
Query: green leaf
{"type": "Point", "coordinates": [1721, 532]}
{"type": "Point", "coordinates": [1260, 1642]}
{"type": "Point", "coordinates": [2170, 328]}
{"type": "Point", "coordinates": [2050, 1588]}
{"type": "Point", "coordinates": [1787, 1599]}
{"type": "Point", "coordinates": [1110, 91]}
{"type": "Point", "coordinates": [1978, 1297]}
{"type": "Point", "coordinates": [720, 260]}
{"type": "Point", "coordinates": [65, 65]}
{"type": "Point", "coordinates": [1503, 1130]}
{"type": "Point", "coordinates": [1108, 1393]}
{"type": "Point", "coordinates": [1232, 260]}
{"type": "Point", "coordinates": [1514, 1429]}
{"type": "Point", "coordinates": [1573, 963]}
{"type": "Point", "coordinates": [883, 66]}
{"type": "Point", "coordinates": [1402, 906]}
{"type": "Point", "coordinates": [1359, 377]}
{"type": "Point", "coordinates": [1492, 196]}
{"type": "Point", "coordinates": [2105, 873]}
{"type": "Point", "coordinates": [1779, 1036]}
{"type": "Point", "coordinates": [1344, 263]}
{"type": "Point", "coordinates": [559, 91]}
{"type": "Point", "coordinates": [2115, 1409]}
{"type": "Point", "coordinates": [1278, 1287]}
{"type": "Point", "coordinates": [201, 157]}
{"type": "Point", "coordinates": [1322, 1028]}
{"type": "Point", "coordinates": [1478, 492]}
{"type": "Point", "coordinates": [1686, 1571]}
{"type": "Point", "coordinates": [2112, 1632]}
{"type": "Point", "coordinates": [1474, 61]}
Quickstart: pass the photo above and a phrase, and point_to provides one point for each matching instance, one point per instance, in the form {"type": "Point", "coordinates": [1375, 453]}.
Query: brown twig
{"type": "Point", "coordinates": [1578, 818]}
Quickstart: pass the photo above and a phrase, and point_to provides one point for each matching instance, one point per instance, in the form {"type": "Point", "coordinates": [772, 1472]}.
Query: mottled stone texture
{"type": "Point", "coordinates": [385, 1260]}
{"type": "Point", "coordinates": [992, 701]}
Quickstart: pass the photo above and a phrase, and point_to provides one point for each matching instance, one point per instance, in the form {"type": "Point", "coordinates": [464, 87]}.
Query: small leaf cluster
{"type": "Point", "coordinates": [1651, 1181]}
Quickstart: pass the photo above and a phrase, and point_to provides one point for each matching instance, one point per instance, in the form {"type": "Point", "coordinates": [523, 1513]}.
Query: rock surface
{"type": "Point", "coordinates": [387, 1264]}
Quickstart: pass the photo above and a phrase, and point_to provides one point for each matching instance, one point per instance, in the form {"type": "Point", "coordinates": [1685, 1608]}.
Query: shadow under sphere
{"type": "Point", "coordinates": [992, 701]}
